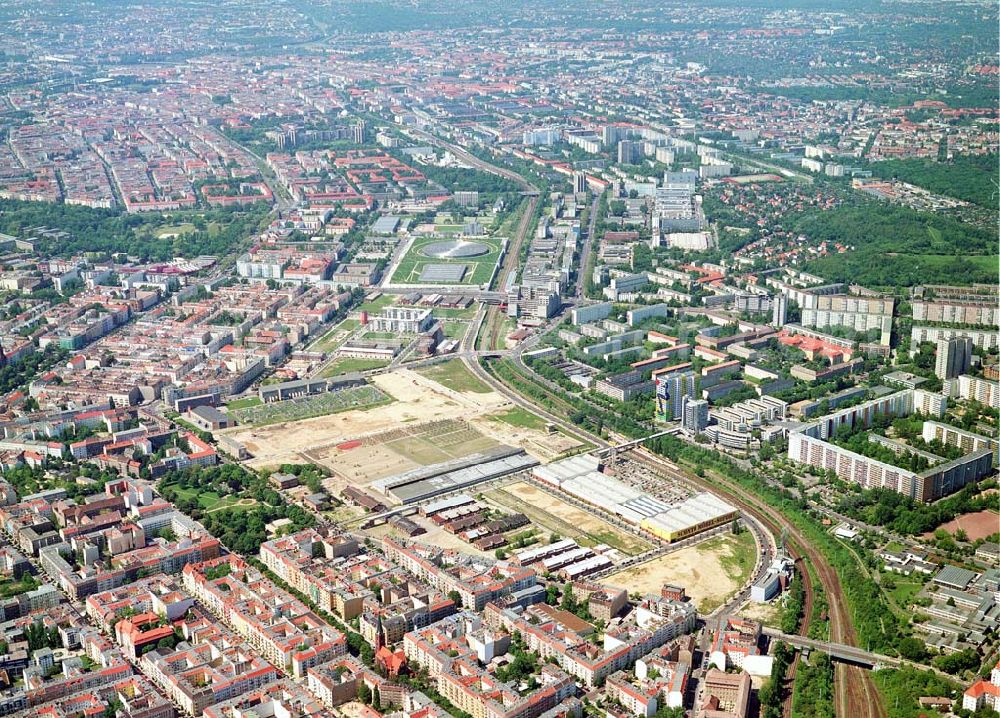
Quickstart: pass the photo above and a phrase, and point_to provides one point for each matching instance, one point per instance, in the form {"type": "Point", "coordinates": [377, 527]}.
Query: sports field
{"type": "Point", "coordinates": [479, 268]}
{"type": "Point", "coordinates": [977, 525]}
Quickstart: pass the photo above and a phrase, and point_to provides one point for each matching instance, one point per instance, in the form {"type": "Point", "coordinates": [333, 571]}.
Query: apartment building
{"type": "Point", "coordinates": [476, 580]}
{"type": "Point", "coordinates": [809, 444]}
{"type": "Point", "coordinates": [215, 666]}
{"type": "Point", "coordinates": [315, 562]}
{"type": "Point", "coordinates": [978, 313]}
{"type": "Point", "coordinates": [982, 390]}
{"type": "Point", "coordinates": [161, 594]}
{"type": "Point", "coordinates": [277, 625]}
{"type": "Point", "coordinates": [967, 441]}
{"type": "Point", "coordinates": [444, 650]}
{"type": "Point", "coordinates": [658, 623]}
{"type": "Point", "coordinates": [280, 699]}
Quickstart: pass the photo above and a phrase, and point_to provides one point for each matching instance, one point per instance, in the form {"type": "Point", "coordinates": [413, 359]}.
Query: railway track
{"type": "Point", "coordinates": [807, 614]}
{"type": "Point", "coordinates": [856, 694]}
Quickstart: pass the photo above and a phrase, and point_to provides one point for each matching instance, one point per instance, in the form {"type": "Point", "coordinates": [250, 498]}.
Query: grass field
{"type": "Point", "coordinates": [378, 304]}
{"type": "Point", "coordinates": [455, 313]}
{"type": "Point", "coordinates": [454, 375]}
{"type": "Point", "coordinates": [245, 403]}
{"type": "Point", "coordinates": [346, 365]}
{"type": "Point", "coordinates": [711, 571]}
{"type": "Point", "coordinates": [442, 444]}
{"type": "Point", "coordinates": [739, 562]}
{"type": "Point", "coordinates": [520, 418]}
{"type": "Point", "coordinates": [181, 228]}
{"type": "Point", "coordinates": [905, 588]}
{"type": "Point", "coordinates": [307, 407]}
{"type": "Point", "coordinates": [175, 229]}
{"type": "Point", "coordinates": [211, 501]}
{"type": "Point", "coordinates": [479, 268]}
{"type": "Point", "coordinates": [985, 263]}
{"type": "Point", "coordinates": [335, 337]}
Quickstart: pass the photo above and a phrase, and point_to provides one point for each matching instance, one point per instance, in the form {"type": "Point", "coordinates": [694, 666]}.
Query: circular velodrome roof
{"type": "Point", "coordinates": [455, 249]}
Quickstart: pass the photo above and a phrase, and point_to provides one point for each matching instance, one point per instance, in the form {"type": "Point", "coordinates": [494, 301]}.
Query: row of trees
{"type": "Point", "coordinates": [771, 694]}
{"type": "Point", "coordinates": [903, 515]}
{"type": "Point", "coordinates": [876, 625]}
{"type": "Point", "coordinates": [965, 177]}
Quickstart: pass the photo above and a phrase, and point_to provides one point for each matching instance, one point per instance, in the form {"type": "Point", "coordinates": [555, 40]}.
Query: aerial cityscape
{"type": "Point", "coordinates": [426, 359]}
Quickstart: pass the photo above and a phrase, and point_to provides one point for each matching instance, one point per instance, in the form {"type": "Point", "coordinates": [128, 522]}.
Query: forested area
{"type": "Point", "coordinates": [969, 94]}
{"type": "Point", "coordinates": [966, 178]}
{"type": "Point", "coordinates": [19, 373]}
{"type": "Point", "coordinates": [813, 691]}
{"type": "Point", "coordinates": [771, 694]}
{"type": "Point", "coordinates": [456, 179]}
{"type": "Point", "coordinates": [903, 515]}
{"type": "Point", "coordinates": [902, 689]}
{"type": "Point", "coordinates": [213, 232]}
{"type": "Point", "coordinates": [897, 247]}
{"type": "Point", "coordinates": [240, 526]}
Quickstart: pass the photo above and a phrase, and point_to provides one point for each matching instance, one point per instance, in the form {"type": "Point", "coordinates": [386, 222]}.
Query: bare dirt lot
{"type": "Point", "coordinates": [707, 570]}
{"type": "Point", "coordinates": [976, 525]}
{"type": "Point", "coordinates": [767, 613]}
{"type": "Point", "coordinates": [542, 445]}
{"type": "Point", "coordinates": [418, 400]}
{"type": "Point", "coordinates": [360, 462]}
{"type": "Point", "coordinates": [556, 516]}
{"type": "Point", "coordinates": [435, 536]}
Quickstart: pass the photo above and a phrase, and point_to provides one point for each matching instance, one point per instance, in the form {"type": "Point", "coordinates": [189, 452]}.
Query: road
{"type": "Point", "coordinates": [588, 242]}
{"type": "Point", "coordinates": [856, 692]}
{"type": "Point", "coordinates": [856, 695]}
{"type": "Point", "coordinates": [282, 201]}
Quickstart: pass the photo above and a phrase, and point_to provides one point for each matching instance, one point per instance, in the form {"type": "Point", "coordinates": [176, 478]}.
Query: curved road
{"type": "Point", "coordinates": [856, 695]}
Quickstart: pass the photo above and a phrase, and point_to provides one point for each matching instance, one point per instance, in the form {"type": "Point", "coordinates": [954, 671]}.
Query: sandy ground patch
{"type": "Point", "coordinates": [418, 400]}
{"type": "Point", "coordinates": [543, 446]}
{"type": "Point", "coordinates": [768, 614]}
{"type": "Point", "coordinates": [976, 525]}
{"type": "Point", "coordinates": [435, 536]}
{"type": "Point", "coordinates": [363, 464]}
{"type": "Point", "coordinates": [354, 709]}
{"type": "Point", "coordinates": [556, 516]}
{"type": "Point", "coordinates": [700, 569]}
